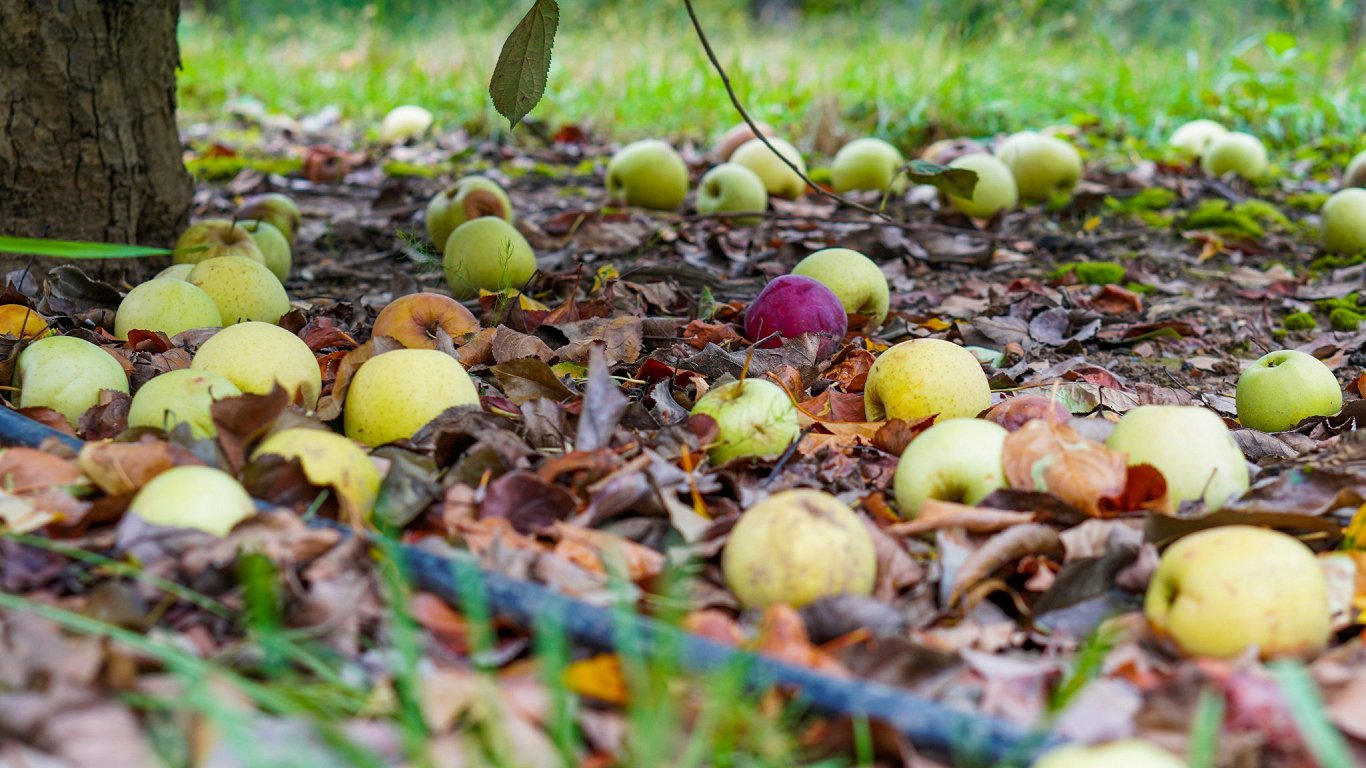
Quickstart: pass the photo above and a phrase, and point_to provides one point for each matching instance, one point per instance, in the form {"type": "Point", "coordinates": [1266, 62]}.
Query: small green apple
{"type": "Point", "coordinates": [1044, 167]}
{"type": "Point", "coordinates": [396, 393]}
{"type": "Point", "coordinates": [1284, 388]}
{"type": "Point", "coordinates": [202, 498]}
{"type": "Point", "coordinates": [1191, 139]}
{"type": "Point", "coordinates": [995, 190]}
{"type": "Point", "coordinates": [487, 253]}
{"type": "Point", "coordinates": [176, 272]}
{"type": "Point", "coordinates": [1189, 445]}
{"type": "Point", "coordinates": [855, 279]}
{"type": "Point", "coordinates": [1355, 176]}
{"type": "Point", "coordinates": [1128, 753]}
{"type": "Point", "coordinates": [868, 164]}
{"type": "Point", "coordinates": [403, 123]}
{"type": "Point", "coordinates": [732, 188]}
{"type": "Point", "coordinates": [182, 396]}
{"type": "Point", "coordinates": [954, 460]}
{"type": "Point", "coordinates": [755, 419]}
{"type": "Point", "coordinates": [273, 244]}
{"type": "Point", "coordinates": [778, 178]}
{"type": "Point", "coordinates": [256, 356]}
{"type": "Point", "coordinates": [1238, 153]}
{"type": "Point", "coordinates": [737, 135]}
{"type": "Point", "coordinates": [1224, 590]}
{"type": "Point", "coordinates": [168, 306]}
{"type": "Point", "coordinates": [243, 289]}
{"type": "Point", "coordinates": [66, 374]}
{"type": "Point", "coordinates": [275, 209]}
{"type": "Point", "coordinates": [648, 174]}
{"type": "Point", "coordinates": [925, 377]}
{"type": "Point", "coordinates": [466, 199]}
{"type": "Point", "coordinates": [329, 460]}
{"type": "Point", "coordinates": [212, 238]}
{"type": "Point", "coordinates": [1343, 222]}
{"type": "Point", "coordinates": [796, 547]}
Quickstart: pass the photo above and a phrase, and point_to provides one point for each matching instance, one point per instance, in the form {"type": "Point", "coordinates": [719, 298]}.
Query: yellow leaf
{"type": "Point", "coordinates": [598, 677]}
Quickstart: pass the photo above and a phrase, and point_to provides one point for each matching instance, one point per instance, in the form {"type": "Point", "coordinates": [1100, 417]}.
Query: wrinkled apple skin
{"type": "Point", "coordinates": [212, 238]}
{"type": "Point", "coordinates": [202, 498]}
{"type": "Point", "coordinates": [1355, 175]}
{"type": "Point", "coordinates": [403, 123]}
{"type": "Point", "coordinates": [732, 188]}
{"type": "Point", "coordinates": [1191, 139]}
{"type": "Point", "coordinates": [995, 190]}
{"type": "Point", "coordinates": [413, 320]}
{"type": "Point", "coordinates": [274, 247]}
{"type": "Point", "coordinates": [243, 289]}
{"type": "Point", "coordinates": [1224, 590]}
{"type": "Point", "coordinates": [954, 460]}
{"type": "Point", "coordinates": [329, 460]}
{"type": "Point", "coordinates": [180, 396]}
{"type": "Point", "coordinates": [168, 306]}
{"type": "Point", "coordinates": [778, 178]}
{"type": "Point", "coordinates": [1044, 167]}
{"type": "Point", "coordinates": [798, 546]}
{"type": "Point", "coordinates": [395, 394]}
{"type": "Point", "coordinates": [856, 280]}
{"type": "Point", "coordinates": [66, 374]}
{"type": "Point", "coordinates": [924, 377]}
{"type": "Point", "coordinates": [1239, 153]}
{"type": "Point", "coordinates": [488, 254]}
{"type": "Point", "coordinates": [1189, 445]}
{"type": "Point", "coordinates": [755, 419]}
{"type": "Point", "coordinates": [1343, 222]}
{"type": "Point", "coordinates": [1284, 388]}
{"type": "Point", "coordinates": [468, 198]}
{"type": "Point", "coordinates": [795, 304]}
{"type": "Point", "coordinates": [275, 209]}
{"type": "Point", "coordinates": [648, 174]}
{"type": "Point", "coordinates": [255, 356]}
{"type": "Point", "coordinates": [868, 164]}
{"type": "Point", "coordinates": [1129, 753]}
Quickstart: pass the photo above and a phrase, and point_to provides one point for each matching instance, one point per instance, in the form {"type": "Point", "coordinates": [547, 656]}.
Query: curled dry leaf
{"type": "Point", "coordinates": [1003, 550]}
{"type": "Point", "coordinates": [596, 551]}
{"type": "Point", "coordinates": [1015, 412]}
{"type": "Point", "coordinates": [122, 468]}
{"type": "Point", "coordinates": [782, 635]}
{"type": "Point", "coordinates": [28, 470]}
{"type": "Point", "coordinates": [936, 515]}
{"type": "Point", "coordinates": [1050, 457]}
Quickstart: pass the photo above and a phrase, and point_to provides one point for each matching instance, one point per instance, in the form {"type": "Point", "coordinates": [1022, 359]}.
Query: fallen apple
{"type": "Point", "coordinates": [737, 135]}
{"type": "Point", "coordinates": [648, 174]}
{"type": "Point", "coordinates": [732, 188]}
{"type": "Point", "coordinates": [241, 288]}
{"type": "Point", "coordinates": [1044, 167]}
{"type": "Point", "coordinates": [1128, 753]}
{"type": "Point", "coordinates": [404, 123]}
{"type": "Point", "coordinates": [1189, 445]}
{"type": "Point", "coordinates": [796, 547]}
{"type": "Point", "coordinates": [792, 305]}
{"type": "Point", "coordinates": [414, 319]}
{"type": "Point", "coordinates": [202, 498]}
{"type": "Point", "coordinates": [166, 306]}
{"type": "Point", "coordinates": [995, 190]}
{"type": "Point", "coordinates": [66, 374]}
{"type": "Point", "coordinates": [779, 179]}
{"type": "Point", "coordinates": [926, 377]}
{"type": "Point", "coordinates": [1224, 590]}
{"type": "Point", "coordinates": [954, 460]}
{"type": "Point", "coordinates": [176, 272]}
{"type": "Point", "coordinates": [468, 198]}
{"type": "Point", "coordinates": [329, 460]}
{"type": "Point", "coordinates": [1191, 139]}
{"type": "Point", "coordinates": [755, 419]}
{"type": "Point", "coordinates": [212, 238]}
{"type": "Point", "coordinates": [489, 254]}
{"type": "Point", "coordinates": [182, 396]}
{"type": "Point", "coordinates": [868, 164]}
{"type": "Point", "coordinates": [274, 246]}
{"type": "Point", "coordinates": [275, 209]}
{"type": "Point", "coordinates": [856, 280]}
{"type": "Point", "coordinates": [256, 356]}
{"type": "Point", "coordinates": [1285, 387]}
{"type": "Point", "coordinates": [1343, 222]}
{"type": "Point", "coordinates": [1238, 153]}
{"type": "Point", "coordinates": [396, 393]}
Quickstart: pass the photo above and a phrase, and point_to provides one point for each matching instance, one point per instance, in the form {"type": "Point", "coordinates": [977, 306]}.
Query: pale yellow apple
{"type": "Point", "coordinates": [274, 246]}
{"type": "Point", "coordinates": [168, 306]}
{"type": "Point", "coordinates": [779, 179]}
{"type": "Point", "coordinates": [243, 289]}
{"type": "Point", "coordinates": [1192, 139]}
{"type": "Point", "coordinates": [1045, 167]}
{"type": "Point", "coordinates": [395, 394]}
{"type": "Point", "coordinates": [488, 254]}
{"type": "Point", "coordinates": [1189, 445]}
{"type": "Point", "coordinates": [202, 498]}
{"type": "Point", "coordinates": [855, 279]}
{"type": "Point", "coordinates": [329, 460]}
{"type": "Point", "coordinates": [176, 272]}
{"type": "Point", "coordinates": [180, 397]}
{"type": "Point", "coordinates": [66, 374]}
{"type": "Point", "coordinates": [1343, 222]}
{"type": "Point", "coordinates": [255, 356]}
{"type": "Point", "coordinates": [1129, 753]}
{"type": "Point", "coordinates": [1239, 153]}
{"type": "Point", "coordinates": [954, 460]}
{"type": "Point", "coordinates": [925, 377]}
{"type": "Point", "coordinates": [403, 123]}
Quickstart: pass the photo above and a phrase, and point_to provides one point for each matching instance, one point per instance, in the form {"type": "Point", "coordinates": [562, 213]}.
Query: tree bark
{"type": "Point", "coordinates": [88, 142]}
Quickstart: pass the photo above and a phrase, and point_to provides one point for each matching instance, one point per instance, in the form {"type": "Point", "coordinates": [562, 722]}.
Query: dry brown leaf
{"type": "Point", "coordinates": [123, 468]}
{"type": "Point", "coordinates": [782, 635]}
{"type": "Point", "coordinates": [935, 515]}
{"type": "Point", "coordinates": [1053, 458]}
{"type": "Point", "coordinates": [24, 470]}
{"type": "Point", "coordinates": [1005, 549]}
{"type": "Point", "coordinates": [640, 561]}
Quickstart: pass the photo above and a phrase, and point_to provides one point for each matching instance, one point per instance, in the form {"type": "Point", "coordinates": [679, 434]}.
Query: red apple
{"type": "Point", "coordinates": [795, 304]}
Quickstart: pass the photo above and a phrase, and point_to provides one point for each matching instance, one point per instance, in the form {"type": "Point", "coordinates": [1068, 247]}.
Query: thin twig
{"type": "Point", "coordinates": [881, 221]}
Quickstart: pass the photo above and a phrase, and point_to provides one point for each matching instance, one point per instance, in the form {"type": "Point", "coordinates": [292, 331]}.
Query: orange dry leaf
{"type": "Point", "coordinates": [783, 636]}
{"type": "Point", "coordinates": [24, 470]}
{"type": "Point", "coordinates": [598, 677]}
{"type": "Point", "coordinates": [640, 561]}
{"type": "Point", "coordinates": [123, 468]}
{"type": "Point", "coordinates": [1053, 458]}
{"type": "Point", "coordinates": [935, 515]}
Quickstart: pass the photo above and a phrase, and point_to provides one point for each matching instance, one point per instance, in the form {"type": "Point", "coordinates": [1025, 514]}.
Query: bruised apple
{"type": "Point", "coordinates": [468, 198]}
{"type": "Point", "coordinates": [413, 320]}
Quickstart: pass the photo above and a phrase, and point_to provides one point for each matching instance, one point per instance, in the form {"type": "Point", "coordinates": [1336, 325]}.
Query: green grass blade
{"type": "Point", "coordinates": [1205, 729]}
{"type": "Point", "coordinates": [74, 249]}
{"type": "Point", "coordinates": [1306, 707]}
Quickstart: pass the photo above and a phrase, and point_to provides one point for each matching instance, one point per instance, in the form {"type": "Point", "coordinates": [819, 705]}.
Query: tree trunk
{"type": "Point", "coordinates": [88, 142]}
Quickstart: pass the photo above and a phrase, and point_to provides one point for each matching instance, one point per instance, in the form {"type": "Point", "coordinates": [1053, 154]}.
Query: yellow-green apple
{"type": "Point", "coordinates": [791, 305]}
{"type": "Point", "coordinates": [403, 123]}
{"type": "Point", "coordinates": [275, 209]}
{"type": "Point", "coordinates": [176, 272]}
{"type": "Point", "coordinates": [648, 174]}
{"type": "Point", "coordinates": [737, 135]}
{"type": "Point", "coordinates": [1284, 388]}
{"type": "Point", "coordinates": [925, 377]}
{"type": "Point", "coordinates": [66, 374]}
{"type": "Point", "coordinates": [779, 179]}
{"type": "Point", "coordinates": [273, 244]}
{"type": "Point", "coordinates": [855, 280]}
{"type": "Point", "coordinates": [1355, 175]}
{"type": "Point", "coordinates": [168, 306]}
{"type": "Point", "coordinates": [995, 190]}
{"type": "Point", "coordinates": [413, 320]}
{"type": "Point", "coordinates": [466, 199]}
{"type": "Point", "coordinates": [1224, 590]}
{"type": "Point", "coordinates": [732, 188]}
{"type": "Point", "coordinates": [1189, 445]}
{"type": "Point", "coordinates": [488, 254]}
{"type": "Point", "coordinates": [755, 419]}
{"type": "Point", "coordinates": [1128, 753]}
{"type": "Point", "coordinates": [212, 238]}
{"type": "Point", "coordinates": [182, 396]}
{"type": "Point", "coordinates": [796, 547]}
{"type": "Point", "coordinates": [1343, 222]}
{"type": "Point", "coordinates": [868, 164]}
{"type": "Point", "coordinates": [256, 356]}
{"type": "Point", "coordinates": [20, 322]}
{"type": "Point", "coordinates": [1191, 139]}
{"type": "Point", "coordinates": [329, 460]}
{"type": "Point", "coordinates": [1239, 153]}
{"type": "Point", "coordinates": [954, 460]}
{"type": "Point", "coordinates": [1045, 167]}
{"type": "Point", "coordinates": [202, 498]}
{"type": "Point", "coordinates": [243, 289]}
{"type": "Point", "coordinates": [396, 393]}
